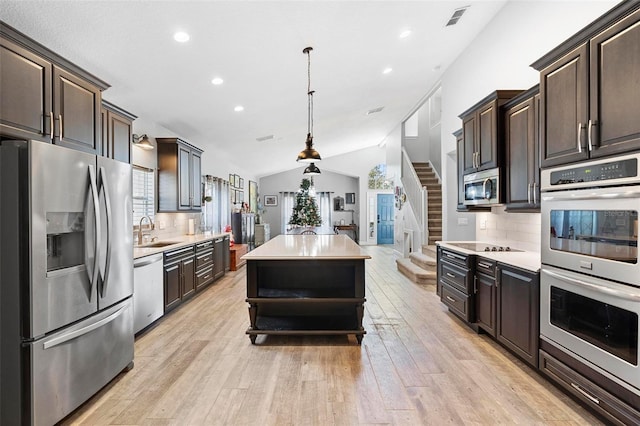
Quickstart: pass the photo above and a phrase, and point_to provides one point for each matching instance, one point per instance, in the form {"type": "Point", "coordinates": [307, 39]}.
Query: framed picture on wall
{"type": "Point", "coordinates": [270, 200]}
{"type": "Point", "coordinates": [232, 181]}
{"type": "Point", "coordinates": [350, 198]}
{"type": "Point", "coordinates": [240, 195]}
{"type": "Point", "coordinates": [241, 183]}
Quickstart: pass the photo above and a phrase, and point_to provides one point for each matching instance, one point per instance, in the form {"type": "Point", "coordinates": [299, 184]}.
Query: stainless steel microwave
{"type": "Point", "coordinates": [482, 188]}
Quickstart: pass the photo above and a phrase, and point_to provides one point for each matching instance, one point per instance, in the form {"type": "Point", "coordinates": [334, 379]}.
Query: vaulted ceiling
{"type": "Point", "coordinates": [256, 48]}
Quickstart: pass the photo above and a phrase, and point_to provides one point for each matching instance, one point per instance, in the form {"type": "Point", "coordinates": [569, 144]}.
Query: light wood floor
{"type": "Point", "coordinates": [418, 364]}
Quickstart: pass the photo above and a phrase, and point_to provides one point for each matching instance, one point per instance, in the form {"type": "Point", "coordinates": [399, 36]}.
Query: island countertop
{"type": "Point", "coordinates": [294, 247]}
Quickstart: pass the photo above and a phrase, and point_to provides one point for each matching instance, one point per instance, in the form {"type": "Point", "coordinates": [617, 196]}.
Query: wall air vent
{"type": "Point", "coordinates": [457, 14]}
{"type": "Point", "coordinates": [373, 111]}
{"type": "Point", "coordinates": [264, 138]}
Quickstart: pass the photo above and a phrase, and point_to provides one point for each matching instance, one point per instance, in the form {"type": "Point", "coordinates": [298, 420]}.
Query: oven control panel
{"type": "Point", "coordinates": [606, 171]}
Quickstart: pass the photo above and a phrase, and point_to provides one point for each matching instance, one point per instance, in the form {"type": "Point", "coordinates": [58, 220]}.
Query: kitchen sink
{"type": "Point", "coordinates": [158, 244]}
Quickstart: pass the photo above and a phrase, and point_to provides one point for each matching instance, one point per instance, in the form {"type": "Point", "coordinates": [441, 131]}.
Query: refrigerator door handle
{"type": "Point", "coordinates": [94, 273]}
{"type": "Point", "coordinates": [107, 201]}
{"type": "Point", "coordinates": [82, 331]}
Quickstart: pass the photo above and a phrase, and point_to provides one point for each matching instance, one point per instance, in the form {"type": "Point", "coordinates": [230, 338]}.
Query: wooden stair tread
{"type": "Point", "coordinates": [415, 273]}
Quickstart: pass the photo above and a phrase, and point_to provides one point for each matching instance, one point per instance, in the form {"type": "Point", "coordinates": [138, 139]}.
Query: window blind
{"type": "Point", "coordinates": [143, 194]}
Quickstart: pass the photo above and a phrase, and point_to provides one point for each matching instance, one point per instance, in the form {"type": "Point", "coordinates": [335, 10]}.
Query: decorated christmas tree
{"type": "Point", "coordinates": [305, 212]}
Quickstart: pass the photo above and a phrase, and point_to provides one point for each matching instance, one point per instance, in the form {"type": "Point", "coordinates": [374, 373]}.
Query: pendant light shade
{"type": "Point", "coordinates": [309, 154]}
{"type": "Point", "coordinates": [312, 169]}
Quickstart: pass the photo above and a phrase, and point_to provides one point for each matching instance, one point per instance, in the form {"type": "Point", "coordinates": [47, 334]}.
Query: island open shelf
{"type": "Point", "coordinates": [306, 285]}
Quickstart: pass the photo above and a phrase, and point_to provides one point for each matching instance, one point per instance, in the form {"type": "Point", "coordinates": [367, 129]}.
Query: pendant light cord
{"type": "Point", "coordinates": [309, 93]}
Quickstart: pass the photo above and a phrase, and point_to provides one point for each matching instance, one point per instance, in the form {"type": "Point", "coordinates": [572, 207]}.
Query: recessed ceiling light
{"type": "Point", "coordinates": [181, 37]}
{"type": "Point", "coordinates": [217, 81]}
{"type": "Point", "coordinates": [405, 34]}
{"type": "Point", "coordinates": [387, 70]}
{"type": "Point", "coordinates": [239, 108]}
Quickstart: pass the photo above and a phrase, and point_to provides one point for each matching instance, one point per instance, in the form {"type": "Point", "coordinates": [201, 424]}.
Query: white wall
{"type": "Point", "coordinates": [345, 173]}
{"type": "Point", "coordinates": [499, 58]}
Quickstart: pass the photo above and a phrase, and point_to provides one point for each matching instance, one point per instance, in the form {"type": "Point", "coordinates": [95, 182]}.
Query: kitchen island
{"type": "Point", "coordinates": [306, 284]}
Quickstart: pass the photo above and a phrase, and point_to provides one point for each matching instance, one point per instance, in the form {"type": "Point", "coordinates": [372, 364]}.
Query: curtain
{"type": "Point", "coordinates": [216, 214]}
{"type": "Point", "coordinates": [288, 201]}
{"type": "Point", "coordinates": [324, 204]}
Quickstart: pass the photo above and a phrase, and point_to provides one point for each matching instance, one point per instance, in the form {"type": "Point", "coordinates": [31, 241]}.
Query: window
{"type": "Point", "coordinates": [143, 194]}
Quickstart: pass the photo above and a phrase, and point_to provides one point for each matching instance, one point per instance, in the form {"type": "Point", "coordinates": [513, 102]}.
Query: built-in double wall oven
{"type": "Point", "coordinates": [590, 277]}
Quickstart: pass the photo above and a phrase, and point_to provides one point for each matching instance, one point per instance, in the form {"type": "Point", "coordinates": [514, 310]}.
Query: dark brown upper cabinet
{"type": "Point", "coordinates": [179, 176]}
{"type": "Point", "coordinates": [522, 170]}
{"type": "Point", "coordinates": [45, 97]}
{"type": "Point", "coordinates": [117, 131]}
{"type": "Point", "coordinates": [482, 132]}
{"type": "Point", "coordinates": [590, 90]}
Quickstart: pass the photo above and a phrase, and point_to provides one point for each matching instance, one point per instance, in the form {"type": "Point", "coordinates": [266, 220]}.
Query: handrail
{"type": "Point", "coordinates": [417, 195]}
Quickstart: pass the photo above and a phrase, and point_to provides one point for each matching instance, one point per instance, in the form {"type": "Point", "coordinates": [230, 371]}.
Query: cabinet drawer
{"type": "Point", "coordinates": [455, 277]}
{"type": "Point", "coordinates": [205, 245]}
{"type": "Point", "coordinates": [203, 259]}
{"type": "Point", "coordinates": [461, 260]}
{"type": "Point", "coordinates": [486, 266]}
{"type": "Point", "coordinates": [458, 303]}
{"type": "Point", "coordinates": [608, 405]}
{"type": "Point", "coordinates": [204, 277]}
{"type": "Point", "coordinates": [179, 254]}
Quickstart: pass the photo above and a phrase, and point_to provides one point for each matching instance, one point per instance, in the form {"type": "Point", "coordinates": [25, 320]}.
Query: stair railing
{"type": "Point", "coordinates": [417, 195]}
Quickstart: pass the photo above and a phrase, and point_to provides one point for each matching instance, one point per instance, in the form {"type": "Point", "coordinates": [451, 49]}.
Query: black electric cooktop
{"type": "Point", "coordinates": [480, 247]}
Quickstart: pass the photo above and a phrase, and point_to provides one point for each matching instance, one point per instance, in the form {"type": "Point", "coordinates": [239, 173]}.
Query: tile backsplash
{"type": "Point", "coordinates": [172, 224]}
{"type": "Point", "coordinates": [519, 230]}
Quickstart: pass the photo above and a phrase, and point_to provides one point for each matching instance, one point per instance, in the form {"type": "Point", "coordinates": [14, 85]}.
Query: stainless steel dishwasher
{"type": "Point", "coordinates": [148, 291]}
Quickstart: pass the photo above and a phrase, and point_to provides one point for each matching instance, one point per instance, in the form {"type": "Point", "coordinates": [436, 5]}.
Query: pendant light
{"type": "Point", "coordinates": [309, 155]}
{"type": "Point", "coordinates": [312, 169]}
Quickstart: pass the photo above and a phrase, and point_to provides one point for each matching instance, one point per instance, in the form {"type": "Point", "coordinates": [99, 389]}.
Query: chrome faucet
{"type": "Point", "coordinates": [140, 234]}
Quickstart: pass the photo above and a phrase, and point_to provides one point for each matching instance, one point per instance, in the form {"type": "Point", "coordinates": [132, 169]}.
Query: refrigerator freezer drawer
{"type": "Point", "coordinates": [73, 364]}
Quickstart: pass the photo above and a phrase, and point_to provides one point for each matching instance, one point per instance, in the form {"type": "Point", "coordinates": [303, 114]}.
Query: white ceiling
{"type": "Point", "coordinates": [256, 47]}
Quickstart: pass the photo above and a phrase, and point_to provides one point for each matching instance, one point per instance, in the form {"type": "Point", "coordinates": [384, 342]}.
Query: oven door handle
{"type": "Point", "coordinates": [612, 194]}
{"type": "Point", "coordinates": [633, 297]}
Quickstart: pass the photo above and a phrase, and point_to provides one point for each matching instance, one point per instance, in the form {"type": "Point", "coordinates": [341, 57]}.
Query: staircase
{"type": "Point", "coordinates": [434, 213]}
{"type": "Point", "coordinates": [420, 267]}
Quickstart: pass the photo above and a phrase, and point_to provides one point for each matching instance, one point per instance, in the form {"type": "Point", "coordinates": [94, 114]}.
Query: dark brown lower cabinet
{"type": "Point", "coordinates": [485, 286]}
{"type": "Point", "coordinates": [218, 258]}
{"type": "Point", "coordinates": [518, 311]}
{"type": "Point", "coordinates": [612, 401]}
{"type": "Point", "coordinates": [179, 276]}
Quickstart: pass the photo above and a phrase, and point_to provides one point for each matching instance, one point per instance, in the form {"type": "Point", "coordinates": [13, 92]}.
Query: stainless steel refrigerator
{"type": "Point", "coordinates": [66, 278]}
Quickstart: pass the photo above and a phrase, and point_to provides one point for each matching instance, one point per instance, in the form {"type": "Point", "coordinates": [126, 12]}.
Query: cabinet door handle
{"type": "Point", "coordinates": [497, 277]}
{"type": "Point", "coordinates": [186, 262]}
{"type": "Point", "coordinates": [535, 198]}
{"type": "Point", "coordinates": [484, 265]}
{"type": "Point", "coordinates": [51, 124]}
{"type": "Point", "coordinates": [590, 125]}
{"type": "Point", "coordinates": [475, 285]}
{"type": "Point", "coordinates": [529, 193]}
{"type": "Point", "coordinates": [60, 123]}
{"type": "Point", "coordinates": [451, 299]}
{"type": "Point", "coordinates": [173, 268]}
{"type": "Point", "coordinates": [585, 393]}
{"type": "Point", "coordinates": [579, 137]}
{"type": "Point", "coordinates": [450, 275]}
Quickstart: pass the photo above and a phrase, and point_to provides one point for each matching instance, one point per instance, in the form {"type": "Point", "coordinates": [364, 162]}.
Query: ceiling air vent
{"type": "Point", "coordinates": [457, 14]}
{"type": "Point", "coordinates": [373, 111]}
{"type": "Point", "coordinates": [264, 138]}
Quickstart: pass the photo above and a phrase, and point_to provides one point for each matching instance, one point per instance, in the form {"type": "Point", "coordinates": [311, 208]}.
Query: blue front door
{"type": "Point", "coordinates": [385, 219]}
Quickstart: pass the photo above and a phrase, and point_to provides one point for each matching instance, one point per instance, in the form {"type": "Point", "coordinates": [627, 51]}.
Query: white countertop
{"type": "Point", "coordinates": [297, 247]}
{"type": "Point", "coordinates": [177, 242]}
{"type": "Point", "coordinates": [529, 260]}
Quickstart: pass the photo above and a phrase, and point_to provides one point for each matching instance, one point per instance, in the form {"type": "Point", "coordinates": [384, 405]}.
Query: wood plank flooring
{"type": "Point", "coordinates": [418, 364]}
